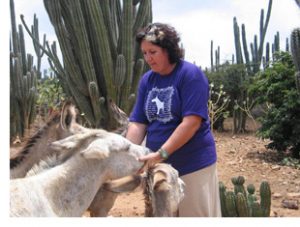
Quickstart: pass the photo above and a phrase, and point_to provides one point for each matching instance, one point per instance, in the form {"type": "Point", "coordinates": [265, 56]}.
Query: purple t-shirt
{"type": "Point", "coordinates": [161, 104]}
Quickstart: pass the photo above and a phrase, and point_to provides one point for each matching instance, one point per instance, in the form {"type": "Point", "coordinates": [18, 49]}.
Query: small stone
{"type": "Point", "coordinates": [277, 195]}
{"type": "Point", "coordinates": [275, 167]}
{"type": "Point", "coordinates": [290, 204]}
{"type": "Point", "coordinates": [293, 195]}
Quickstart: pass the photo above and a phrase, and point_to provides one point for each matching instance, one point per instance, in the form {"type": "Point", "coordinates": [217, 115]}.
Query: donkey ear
{"type": "Point", "coordinates": [74, 141]}
{"type": "Point", "coordinates": [68, 115]}
{"type": "Point", "coordinates": [124, 184]}
{"type": "Point", "coordinates": [98, 149]}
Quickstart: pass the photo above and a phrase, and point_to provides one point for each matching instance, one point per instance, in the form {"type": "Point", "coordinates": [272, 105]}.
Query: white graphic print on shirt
{"type": "Point", "coordinates": [158, 104]}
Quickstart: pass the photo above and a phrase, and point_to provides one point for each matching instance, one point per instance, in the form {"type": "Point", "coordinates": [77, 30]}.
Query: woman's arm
{"type": "Point", "coordinates": [182, 134]}
{"type": "Point", "coordinates": [136, 132]}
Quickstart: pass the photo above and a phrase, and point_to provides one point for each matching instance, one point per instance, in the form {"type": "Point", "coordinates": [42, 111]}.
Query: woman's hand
{"type": "Point", "coordinates": [150, 160]}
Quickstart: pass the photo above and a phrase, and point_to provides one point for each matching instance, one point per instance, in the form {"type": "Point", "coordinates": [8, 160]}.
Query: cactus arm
{"type": "Point", "coordinates": [140, 17]}
{"type": "Point", "coordinates": [238, 50]}
{"type": "Point", "coordinates": [246, 52]}
{"type": "Point", "coordinates": [126, 48]}
{"type": "Point", "coordinates": [263, 29]}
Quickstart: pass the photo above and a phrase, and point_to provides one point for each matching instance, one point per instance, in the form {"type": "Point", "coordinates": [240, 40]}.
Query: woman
{"type": "Point", "coordinates": [171, 108]}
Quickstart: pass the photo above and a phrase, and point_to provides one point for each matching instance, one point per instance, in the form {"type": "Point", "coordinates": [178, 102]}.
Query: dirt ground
{"type": "Point", "coordinates": [244, 155]}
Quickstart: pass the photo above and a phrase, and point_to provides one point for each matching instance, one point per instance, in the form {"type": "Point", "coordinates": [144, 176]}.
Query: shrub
{"type": "Point", "coordinates": [276, 87]}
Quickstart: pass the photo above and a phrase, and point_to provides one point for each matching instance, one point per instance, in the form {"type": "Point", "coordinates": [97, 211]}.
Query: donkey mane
{"type": "Point", "coordinates": [14, 162]}
{"type": "Point", "coordinates": [48, 163]}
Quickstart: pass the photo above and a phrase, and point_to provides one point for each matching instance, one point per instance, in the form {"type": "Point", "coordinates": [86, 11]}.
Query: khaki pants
{"type": "Point", "coordinates": [201, 192]}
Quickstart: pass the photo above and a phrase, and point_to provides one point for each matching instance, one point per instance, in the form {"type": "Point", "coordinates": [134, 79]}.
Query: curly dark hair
{"type": "Point", "coordinates": [162, 35]}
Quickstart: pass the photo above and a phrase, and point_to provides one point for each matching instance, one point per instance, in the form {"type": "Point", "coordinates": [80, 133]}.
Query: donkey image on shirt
{"type": "Point", "coordinates": [159, 104]}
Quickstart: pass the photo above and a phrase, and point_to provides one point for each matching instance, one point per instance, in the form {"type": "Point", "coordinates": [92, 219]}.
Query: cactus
{"type": "Point", "coordinates": [238, 183]}
{"type": "Point", "coordinates": [251, 198]}
{"type": "Point", "coordinates": [265, 198]}
{"type": "Point", "coordinates": [23, 81]}
{"type": "Point", "coordinates": [295, 49]}
{"type": "Point", "coordinates": [256, 209]}
{"type": "Point", "coordinates": [99, 55]}
{"type": "Point", "coordinates": [252, 63]}
{"type": "Point", "coordinates": [242, 205]}
{"type": "Point", "coordinates": [217, 58]}
{"type": "Point", "coordinates": [239, 203]}
{"type": "Point", "coordinates": [38, 51]}
{"type": "Point", "coordinates": [230, 204]}
{"type": "Point", "coordinates": [223, 199]}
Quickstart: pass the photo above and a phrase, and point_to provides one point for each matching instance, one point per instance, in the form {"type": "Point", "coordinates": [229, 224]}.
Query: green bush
{"type": "Point", "coordinates": [276, 87]}
{"type": "Point", "coordinates": [50, 95]}
{"type": "Point", "coordinates": [234, 82]}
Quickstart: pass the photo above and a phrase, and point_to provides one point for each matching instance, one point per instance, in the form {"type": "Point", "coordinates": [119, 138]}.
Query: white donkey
{"type": "Point", "coordinates": [69, 188]}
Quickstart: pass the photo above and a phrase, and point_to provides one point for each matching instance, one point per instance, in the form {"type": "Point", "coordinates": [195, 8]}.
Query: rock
{"type": "Point", "coordinates": [293, 195]}
{"type": "Point", "coordinates": [275, 167]}
{"type": "Point", "coordinates": [290, 204]}
{"type": "Point", "coordinates": [277, 195]}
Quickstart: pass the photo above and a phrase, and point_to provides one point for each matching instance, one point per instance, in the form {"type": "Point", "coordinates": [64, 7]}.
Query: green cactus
{"type": "Point", "coordinates": [38, 51]}
{"type": "Point", "coordinates": [276, 44]}
{"type": "Point", "coordinates": [230, 204]}
{"type": "Point", "coordinates": [295, 49]}
{"type": "Point", "coordinates": [97, 45]}
{"type": "Point", "coordinates": [223, 199]}
{"type": "Point", "coordinates": [251, 61]}
{"type": "Point", "coordinates": [23, 82]}
{"type": "Point", "coordinates": [251, 198]}
{"type": "Point", "coordinates": [238, 183]}
{"type": "Point", "coordinates": [256, 209]}
{"type": "Point", "coordinates": [239, 203]}
{"type": "Point", "coordinates": [265, 198]}
{"type": "Point", "coordinates": [242, 205]}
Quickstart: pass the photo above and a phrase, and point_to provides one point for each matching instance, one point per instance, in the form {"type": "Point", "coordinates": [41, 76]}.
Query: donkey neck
{"type": "Point", "coordinates": [72, 185]}
{"type": "Point", "coordinates": [35, 150]}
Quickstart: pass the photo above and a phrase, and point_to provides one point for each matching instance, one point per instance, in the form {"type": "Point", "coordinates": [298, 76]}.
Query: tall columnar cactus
{"type": "Point", "coordinates": [214, 65]}
{"type": "Point", "coordinates": [239, 203]}
{"type": "Point", "coordinates": [23, 79]}
{"type": "Point", "coordinates": [295, 49]}
{"type": "Point", "coordinates": [276, 44]}
{"type": "Point", "coordinates": [256, 47]}
{"type": "Point", "coordinates": [38, 51]}
{"type": "Point", "coordinates": [252, 58]}
{"type": "Point", "coordinates": [101, 61]}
